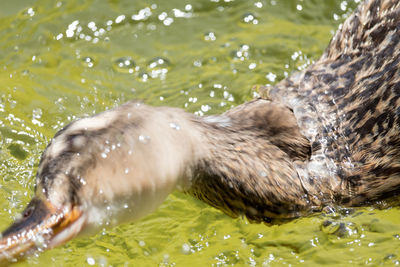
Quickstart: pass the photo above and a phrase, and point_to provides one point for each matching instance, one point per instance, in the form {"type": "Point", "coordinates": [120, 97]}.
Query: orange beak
{"type": "Point", "coordinates": [42, 226]}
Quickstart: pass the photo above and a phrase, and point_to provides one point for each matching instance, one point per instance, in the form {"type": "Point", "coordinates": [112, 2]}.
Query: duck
{"type": "Point", "coordinates": [327, 135]}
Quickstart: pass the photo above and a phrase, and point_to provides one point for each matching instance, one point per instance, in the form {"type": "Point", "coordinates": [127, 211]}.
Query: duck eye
{"type": "Point", "coordinates": [27, 212]}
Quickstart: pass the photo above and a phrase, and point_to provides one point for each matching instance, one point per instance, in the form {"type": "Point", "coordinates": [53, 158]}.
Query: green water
{"type": "Point", "coordinates": [61, 60]}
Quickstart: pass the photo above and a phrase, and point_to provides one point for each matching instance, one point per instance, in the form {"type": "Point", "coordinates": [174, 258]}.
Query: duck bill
{"type": "Point", "coordinates": [41, 226]}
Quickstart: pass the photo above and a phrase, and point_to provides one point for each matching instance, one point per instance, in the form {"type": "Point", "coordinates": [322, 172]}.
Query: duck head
{"type": "Point", "coordinates": [100, 171]}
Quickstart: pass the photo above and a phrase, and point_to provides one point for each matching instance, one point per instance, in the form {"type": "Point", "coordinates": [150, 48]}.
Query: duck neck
{"type": "Point", "coordinates": [245, 171]}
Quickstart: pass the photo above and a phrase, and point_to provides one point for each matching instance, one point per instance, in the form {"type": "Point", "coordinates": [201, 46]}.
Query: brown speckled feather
{"type": "Point", "coordinates": [350, 100]}
{"type": "Point", "coordinates": [249, 168]}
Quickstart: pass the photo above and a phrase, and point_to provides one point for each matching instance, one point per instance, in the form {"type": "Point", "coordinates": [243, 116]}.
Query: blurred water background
{"type": "Point", "coordinates": [61, 60]}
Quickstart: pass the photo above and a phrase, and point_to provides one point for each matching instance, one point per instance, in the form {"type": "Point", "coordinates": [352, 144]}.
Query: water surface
{"type": "Point", "coordinates": [61, 60]}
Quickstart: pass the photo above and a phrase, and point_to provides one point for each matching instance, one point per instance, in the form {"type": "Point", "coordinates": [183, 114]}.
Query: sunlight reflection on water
{"type": "Point", "coordinates": [70, 59]}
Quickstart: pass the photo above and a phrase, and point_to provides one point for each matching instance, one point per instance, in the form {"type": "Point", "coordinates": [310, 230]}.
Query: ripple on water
{"type": "Point", "coordinates": [340, 232]}
{"type": "Point", "coordinates": [17, 151]}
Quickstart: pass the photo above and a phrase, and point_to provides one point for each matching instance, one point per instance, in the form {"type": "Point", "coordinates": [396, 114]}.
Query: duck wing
{"type": "Point", "coordinates": [348, 102]}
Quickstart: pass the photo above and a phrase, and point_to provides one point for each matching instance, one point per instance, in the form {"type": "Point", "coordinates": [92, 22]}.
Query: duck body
{"type": "Point", "coordinates": [327, 135]}
{"type": "Point", "coordinates": [347, 105]}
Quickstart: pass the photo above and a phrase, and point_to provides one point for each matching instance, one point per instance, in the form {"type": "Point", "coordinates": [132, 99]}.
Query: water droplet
{"type": "Point", "coordinates": [126, 170]}
{"type": "Point", "coordinates": [210, 36]}
{"type": "Point", "coordinates": [144, 139]}
{"type": "Point", "coordinates": [142, 243]}
{"type": "Point", "coordinates": [162, 16]}
{"type": "Point", "coordinates": [340, 231]}
{"type": "Point", "coordinates": [70, 32]}
{"type": "Point", "coordinates": [120, 19]}
{"type": "Point", "coordinates": [249, 18]}
{"type": "Point", "coordinates": [205, 108]}
{"type": "Point", "coordinates": [37, 113]}
{"type": "Point", "coordinates": [30, 12]}
{"type": "Point", "coordinates": [103, 155]}
{"type": "Point", "coordinates": [125, 65]}
{"type": "Point", "coordinates": [88, 61]}
{"type": "Point", "coordinates": [271, 77]}
{"type": "Point", "coordinates": [159, 63]}
{"type": "Point", "coordinates": [252, 66]}
{"type": "Point", "coordinates": [126, 206]}
{"type": "Point", "coordinates": [197, 63]}
{"type": "Point", "coordinates": [185, 248]}
{"type": "Point", "coordinates": [90, 261]}
{"type": "Point", "coordinates": [142, 14]}
{"type": "Point", "coordinates": [242, 53]}
{"type": "Point", "coordinates": [143, 76]}
{"type": "Point", "coordinates": [258, 4]}
{"type": "Point", "coordinates": [39, 240]}
{"type": "Point", "coordinates": [174, 126]}
{"type": "Point", "coordinates": [168, 21]}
